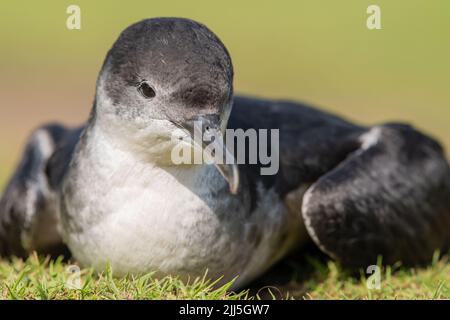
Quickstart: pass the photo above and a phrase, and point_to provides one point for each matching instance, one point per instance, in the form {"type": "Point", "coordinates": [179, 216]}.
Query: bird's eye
{"type": "Point", "coordinates": [146, 90]}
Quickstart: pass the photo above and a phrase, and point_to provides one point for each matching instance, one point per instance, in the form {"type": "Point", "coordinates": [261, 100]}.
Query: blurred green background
{"type": "Point", "coordinates": [315, 51]}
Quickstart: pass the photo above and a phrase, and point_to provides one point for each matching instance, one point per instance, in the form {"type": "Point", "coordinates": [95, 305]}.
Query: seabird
{"type": "Point", "coordinates": [110, 193]}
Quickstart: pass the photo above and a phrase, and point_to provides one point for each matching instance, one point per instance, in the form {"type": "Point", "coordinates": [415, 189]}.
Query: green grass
{"type": "Point", "coordinates": [432, 282]}
{"type": "Point", "coordinates": [43, 278]}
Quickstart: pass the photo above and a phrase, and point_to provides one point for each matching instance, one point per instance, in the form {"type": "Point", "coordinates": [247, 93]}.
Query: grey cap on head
{"type": "Point", "coordinates": [185, 67]}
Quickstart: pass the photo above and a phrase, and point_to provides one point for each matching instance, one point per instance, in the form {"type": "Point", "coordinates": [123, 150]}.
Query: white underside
{"type": "Point", "coordinates": [143, 218]}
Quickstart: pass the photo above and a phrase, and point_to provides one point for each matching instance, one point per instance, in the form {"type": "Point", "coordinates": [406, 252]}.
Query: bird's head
{"type": "Point", "coordinates": [160, 76]}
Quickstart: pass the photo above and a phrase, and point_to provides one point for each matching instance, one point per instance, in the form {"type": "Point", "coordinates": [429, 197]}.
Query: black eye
{"type": "Point", "coordinates": [146, 90]}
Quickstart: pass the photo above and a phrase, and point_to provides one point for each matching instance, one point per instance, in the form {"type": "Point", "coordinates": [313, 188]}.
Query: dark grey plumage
{"type": "Point", "coordinates": [388, 197]}
{"type": "Point", "coordinates": [374, 191]}
{"type": "Point", "coordinates": [28, 218]}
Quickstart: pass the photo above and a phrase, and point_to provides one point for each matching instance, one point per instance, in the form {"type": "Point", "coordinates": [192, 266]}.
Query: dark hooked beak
{"type": "Point", "coordinates": [209, 126]}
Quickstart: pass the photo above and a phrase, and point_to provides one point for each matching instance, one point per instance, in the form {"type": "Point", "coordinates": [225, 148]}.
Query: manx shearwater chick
{"type": "Point", "coordinates": [110, 192]}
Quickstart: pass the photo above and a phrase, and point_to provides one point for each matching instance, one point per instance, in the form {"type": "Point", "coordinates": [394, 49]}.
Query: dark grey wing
{"type": "Point", "coordinates": [372, 191]}
{"type": "Point", "coordinates": [28, 207]}
{"type": "Point", "coordinates": [311, 142]}
{"type": "Point", "coordinates": [390, 197]}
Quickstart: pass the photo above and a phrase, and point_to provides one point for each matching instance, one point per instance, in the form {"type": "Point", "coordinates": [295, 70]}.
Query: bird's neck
{"type": "Point", "coordinates": [150, 142]}
{"type": "Point", "coordinates": [102, 157]}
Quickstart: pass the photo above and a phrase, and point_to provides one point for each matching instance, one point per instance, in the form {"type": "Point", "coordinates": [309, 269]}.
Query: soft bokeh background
{"type": "Point", "coordinates": [316, 51]}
